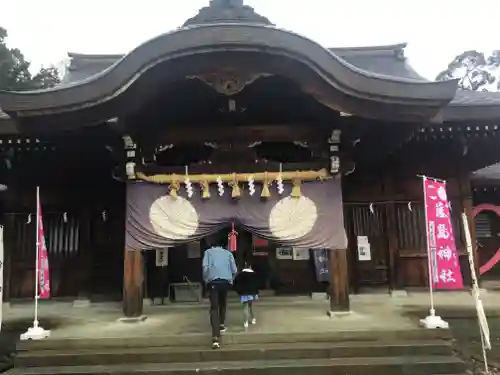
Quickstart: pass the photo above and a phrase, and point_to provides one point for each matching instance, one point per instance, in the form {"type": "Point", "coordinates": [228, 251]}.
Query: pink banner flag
{"type": "Point", "coordinates": [444, 265]}
{"type": "Point", "coordinates": [43, 260]}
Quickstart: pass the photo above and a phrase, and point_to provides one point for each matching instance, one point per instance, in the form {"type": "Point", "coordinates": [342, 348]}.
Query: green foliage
{"type": "Point", "coordinates": [14, 70]}
{"type": "Point", "coordinates": [474, 70]}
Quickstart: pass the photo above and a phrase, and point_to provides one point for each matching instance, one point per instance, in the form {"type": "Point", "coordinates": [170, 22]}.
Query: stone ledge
{"type": "Point", "coordinates": [401, 293]}
{"type": "Point", "coordinates": [81, 303]}
{"type": "Point", "coordinates": [338, 314]}
{"type": "Point", "coordinates": [319, 296]}
{"type": "Point", "coordinates": [134, 319]}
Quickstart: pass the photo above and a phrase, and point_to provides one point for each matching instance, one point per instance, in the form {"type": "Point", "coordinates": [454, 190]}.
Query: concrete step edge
{"type": "Point", "coordinates": [356, 345]}
{"type": "Point", "coordinates": [238, 338]}
{"type": "Point", "coordinates": [334, 362]}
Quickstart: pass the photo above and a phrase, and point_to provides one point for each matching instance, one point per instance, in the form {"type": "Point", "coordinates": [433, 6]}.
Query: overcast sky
{"type": "Point", "coordinates": [436, 30]}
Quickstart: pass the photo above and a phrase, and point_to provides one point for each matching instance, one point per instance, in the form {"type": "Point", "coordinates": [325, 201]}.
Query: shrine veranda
{"type": "Point", "coordinates": [314, 148]}
{"type": "Point", "coordinates": [291, 315]}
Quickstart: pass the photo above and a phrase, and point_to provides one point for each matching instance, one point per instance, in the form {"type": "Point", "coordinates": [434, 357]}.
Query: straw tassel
{"type": "Point", "coordinates": [174, 188]}
{"type": "Point", "coordinates": [236, 192]}
{"type": "Point", "coordinates": [205, 188]}
{"type": "Point", "coordinates": [265, 187]}
{"type": "Point", "coordinates": [296, 183]}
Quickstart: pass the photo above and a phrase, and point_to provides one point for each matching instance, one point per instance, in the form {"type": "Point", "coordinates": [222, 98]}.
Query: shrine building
{"type": "Point", "coordinates": [230, 121]}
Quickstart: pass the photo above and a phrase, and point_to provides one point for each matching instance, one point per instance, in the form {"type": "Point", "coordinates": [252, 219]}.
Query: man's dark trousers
{"type": "Point", "coordinates": [217, 290]}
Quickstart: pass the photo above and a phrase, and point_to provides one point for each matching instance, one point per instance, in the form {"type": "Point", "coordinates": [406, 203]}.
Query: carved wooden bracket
{"type": "Point", "coordinates": [228, 82]}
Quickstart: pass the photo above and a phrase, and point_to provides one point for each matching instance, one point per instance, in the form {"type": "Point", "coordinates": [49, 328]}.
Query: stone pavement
{"type": "Point", "coordinates": [274, 314]}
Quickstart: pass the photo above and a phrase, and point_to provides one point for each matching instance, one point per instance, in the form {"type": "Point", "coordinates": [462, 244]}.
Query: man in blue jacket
{"type": "Point", "coordinates": [219, 271]}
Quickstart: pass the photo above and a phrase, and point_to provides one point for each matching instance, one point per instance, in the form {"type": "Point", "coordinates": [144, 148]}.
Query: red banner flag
{"type": "Point", "coordinates": [444, 264]}
{"type": "Point", "coordinates": [43, 259]}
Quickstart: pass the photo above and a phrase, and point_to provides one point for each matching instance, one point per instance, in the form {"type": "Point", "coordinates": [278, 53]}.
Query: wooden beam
{"type": "Point", "coordinates": [133, 285]}
{"type": "Point", "coordinates": [268, 133]}
{"type": "Point", "coordinates": [9, 126]}
{"type": "Point", "coordinates": [339, 281]}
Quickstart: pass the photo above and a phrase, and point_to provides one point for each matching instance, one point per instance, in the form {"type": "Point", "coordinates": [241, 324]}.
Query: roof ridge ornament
{"type": "Point", "coordinates": [230, 11]}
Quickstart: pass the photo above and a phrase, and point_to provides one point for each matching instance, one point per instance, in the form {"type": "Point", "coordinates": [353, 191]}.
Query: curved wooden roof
{"type": "Point", "coordinates": [375, 81]}
{"type": "Point", "coordinates": [387, 60]}
{"type": "Point", "coordinates": [341, 75]}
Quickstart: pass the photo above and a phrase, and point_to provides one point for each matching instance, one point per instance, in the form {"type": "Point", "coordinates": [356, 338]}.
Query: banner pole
{"type": "Point", "coordinates": [431, 321]}
{"type": "Point", "coordinates": [482, 321]}
{"type": "Point", "coordinates": [36, 332]}
{"type": "Point", "coordinates": [432, 311]}
{"type": "Point", "coordinates": [37, 253]}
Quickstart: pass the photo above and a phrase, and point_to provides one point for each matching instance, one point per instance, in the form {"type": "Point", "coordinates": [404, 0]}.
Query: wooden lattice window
{"type": "Point", "coordinates": [483, 225]}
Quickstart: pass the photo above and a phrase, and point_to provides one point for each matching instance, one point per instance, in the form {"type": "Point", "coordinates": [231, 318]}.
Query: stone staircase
{"type": "Point", "coordinates": [417, 352]}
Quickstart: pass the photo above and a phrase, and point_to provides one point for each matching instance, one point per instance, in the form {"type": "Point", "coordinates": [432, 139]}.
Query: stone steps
{"type": "Point", "coordinates": [252, 337]}
{"type": "Point", "coordinates": [435, 365]}
{"type": "Point", "coordinates": [417, 352]}
{"type": "Point", "coordinates": [242, 352]}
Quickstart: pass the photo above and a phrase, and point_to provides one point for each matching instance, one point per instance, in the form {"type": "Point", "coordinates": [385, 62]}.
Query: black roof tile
{"type": "Point", "coordinates": [382, 60]}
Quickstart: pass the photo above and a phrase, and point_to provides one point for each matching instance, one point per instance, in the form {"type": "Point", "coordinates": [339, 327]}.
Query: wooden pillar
{"type": "Point", "coordinates": [392, 242]}
{"type": "Point", "coordinates": [391, 233]}
{"type": "Point", "coordinates": [85, 257]}
{"type": "Point", "coordinates": [133, 261]}
{"type": "Point", "coordinates": [9, 243]}
{"type": "Point", "coordinates": [9, 236]}
{"type": "Point", "coordinates": [133, 285]}
{"type": "Point", "coordinates": [339, 281]}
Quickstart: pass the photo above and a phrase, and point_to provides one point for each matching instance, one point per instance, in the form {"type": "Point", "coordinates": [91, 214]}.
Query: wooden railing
{"type": "Point", "coordinates": [62, 238]}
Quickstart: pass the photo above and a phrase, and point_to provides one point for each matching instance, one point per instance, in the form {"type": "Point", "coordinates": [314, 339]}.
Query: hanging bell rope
{"type": "Point", "coordinates": [321, 174]}
{"type": "Point", "coordinates": [232, 239]}
{"type": "Point", "coordinates": [234, 180]}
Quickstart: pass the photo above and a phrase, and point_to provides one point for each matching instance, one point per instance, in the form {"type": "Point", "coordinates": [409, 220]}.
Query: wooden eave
{"type": "Point", "coordinates": [7, 124]}
{"type": "Point", "coordinates": [336, 73]}
{"type": "Point", "coordinates": [471, 106]}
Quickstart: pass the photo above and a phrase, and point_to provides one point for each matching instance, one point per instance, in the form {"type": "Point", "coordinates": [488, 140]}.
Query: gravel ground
{"type": "Point", "coordinates": [468, 344]}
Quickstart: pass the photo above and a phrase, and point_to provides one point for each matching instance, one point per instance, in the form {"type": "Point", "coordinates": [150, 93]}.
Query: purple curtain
{"type": "Point", "coordinates": [315, 220]}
